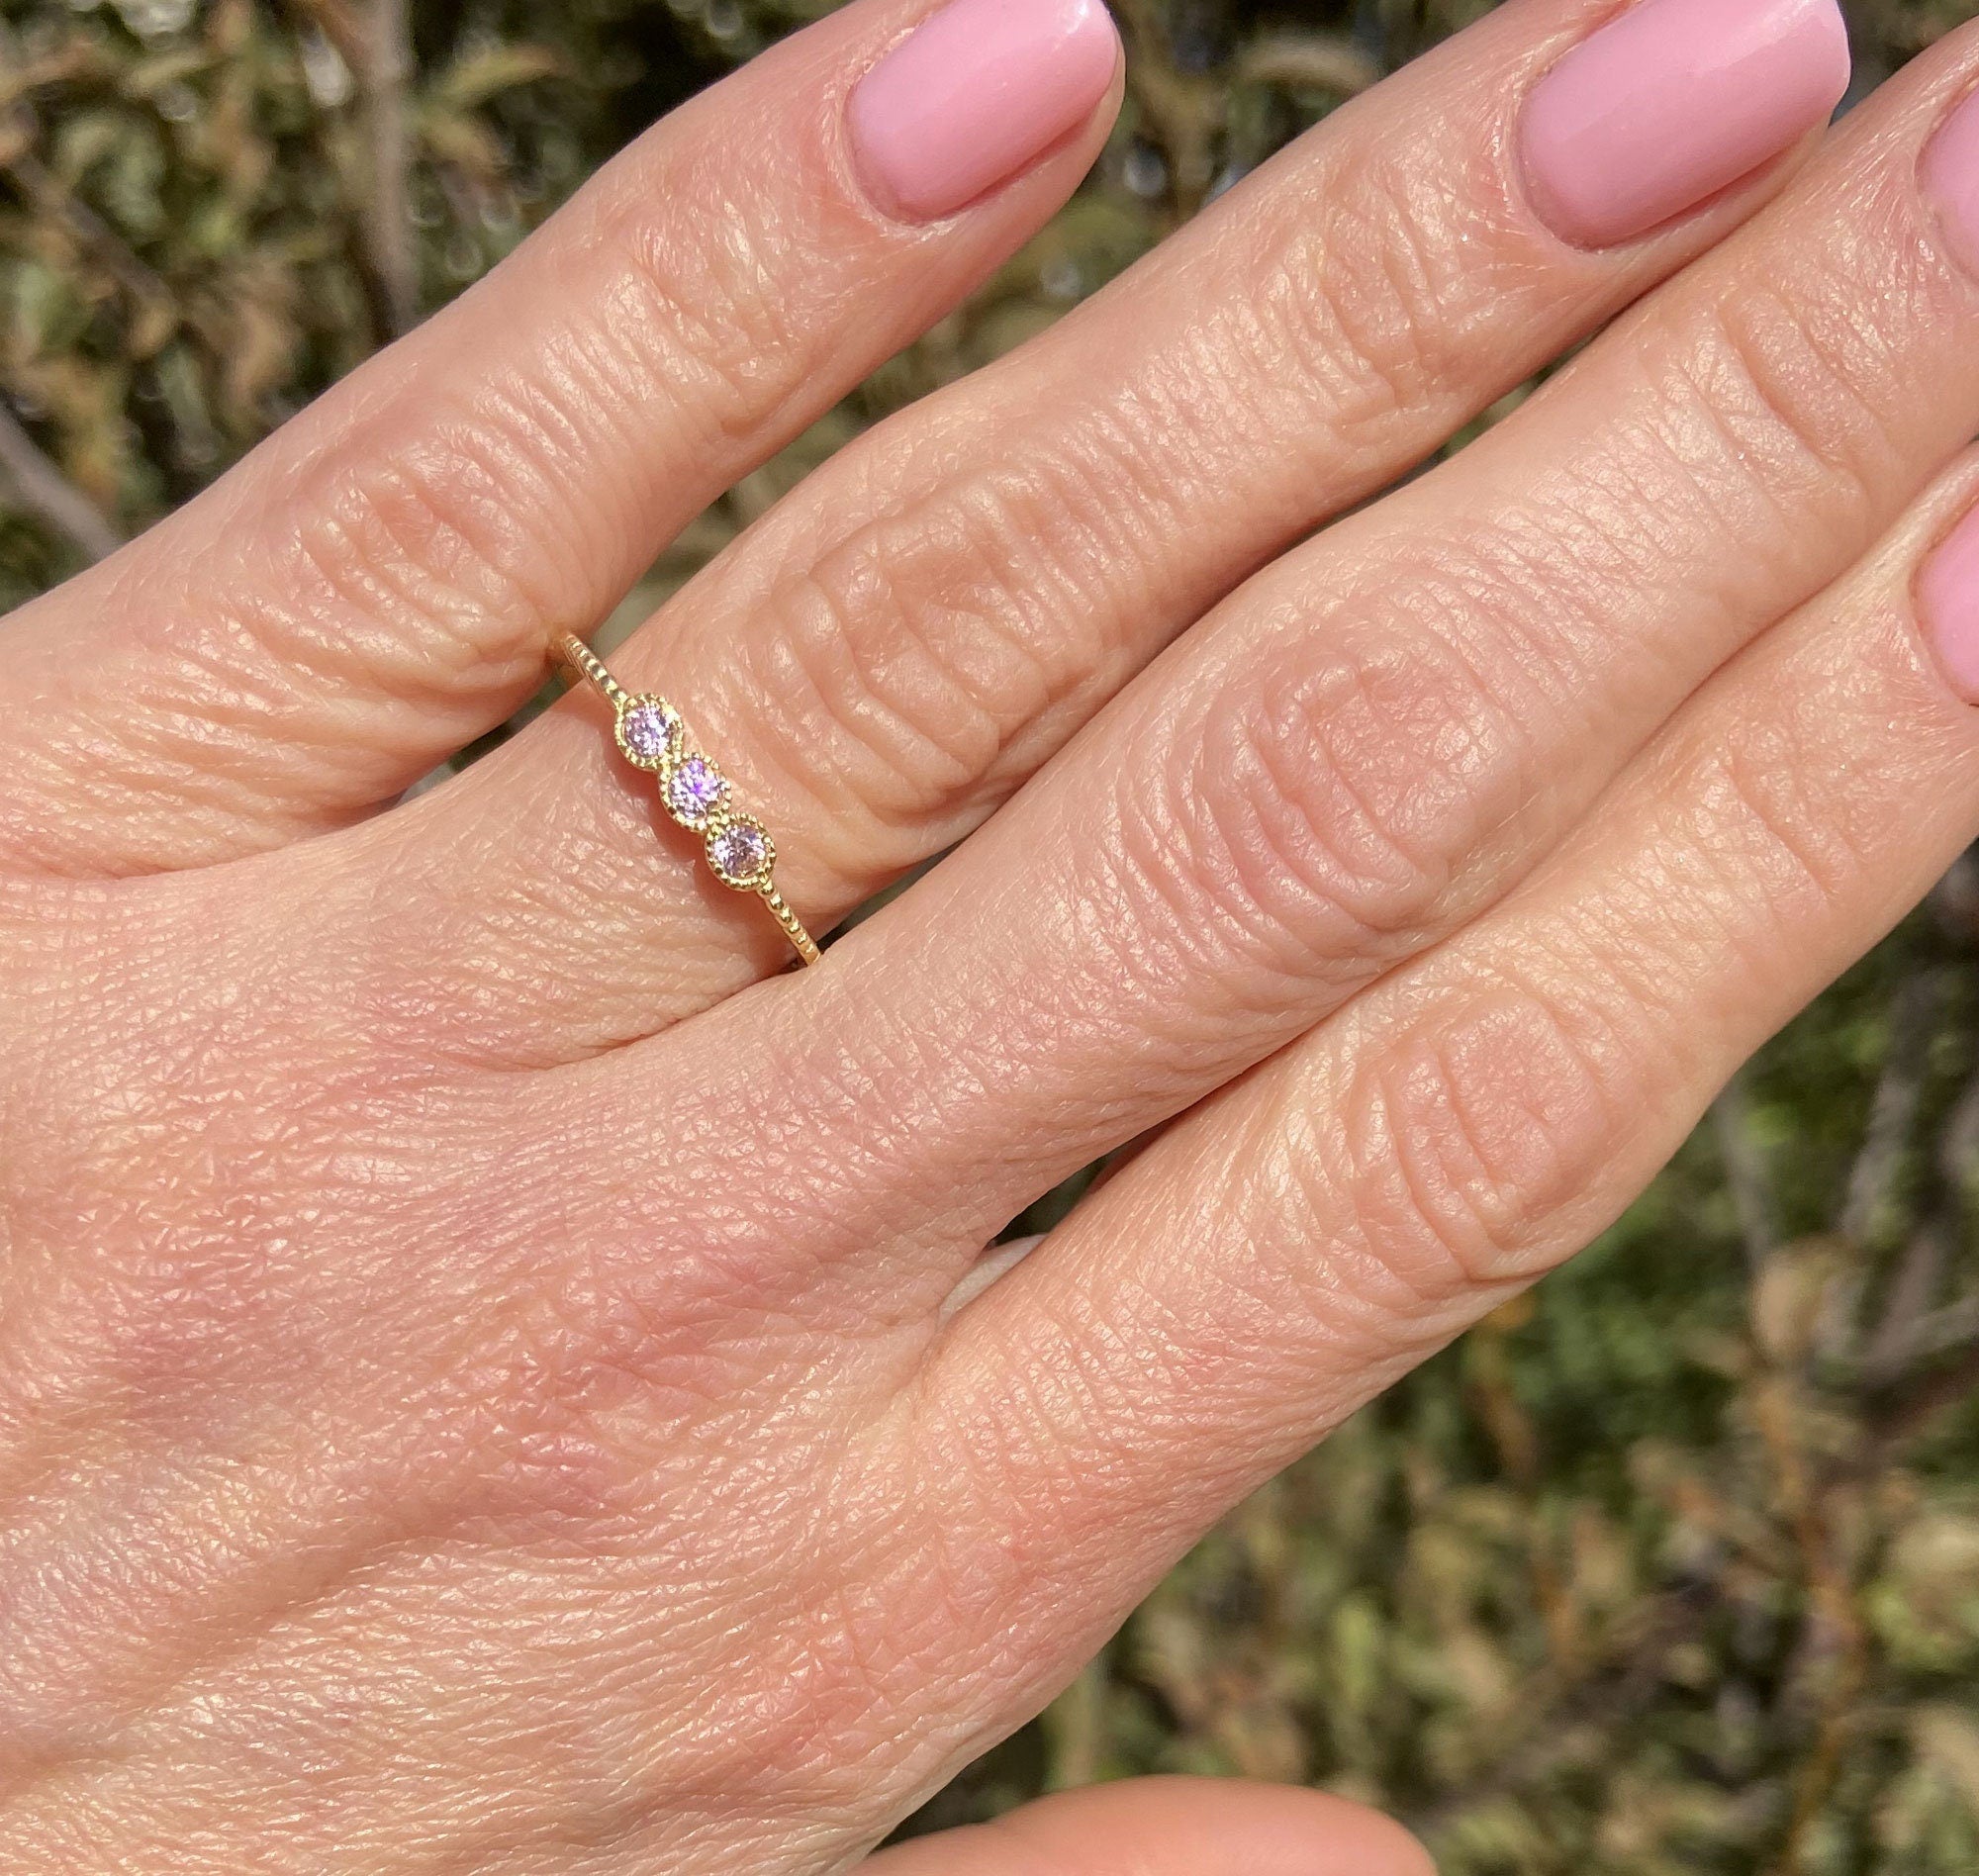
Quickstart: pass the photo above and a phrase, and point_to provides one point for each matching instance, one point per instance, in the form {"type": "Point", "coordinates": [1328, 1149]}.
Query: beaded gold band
{"type": "Point", "coordinates": [652, 736]}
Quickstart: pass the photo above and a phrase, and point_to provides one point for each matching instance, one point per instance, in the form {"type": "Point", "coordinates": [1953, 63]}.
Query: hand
{"type": "Point", "coordinates": [492, 1375]}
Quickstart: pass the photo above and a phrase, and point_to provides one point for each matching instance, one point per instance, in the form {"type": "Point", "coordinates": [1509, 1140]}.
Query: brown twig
{"type": "Point", "coordinates": [49, 494]}
{"type": "Point", "coordinates": [377, 47]}
{"type": "Point", "coordinates": [339, 22]}
{"type": "Point", "coordinates": [94, 236]}
{"type": "Point", "coordinates": [1836, 1630]}
{"type": "Point", "coordinates": [1904, 1415]}
{"type": "Point", "coordinates": [1915, 1015]}
{"type": "Point", "coordinates": [1516, 1439]}
{"type": "Point", "coordinates": [1745, 1170]}
{"type": "Point", "coordinates": [388, 213]}
{"type": "Point", "coordinates": [1908, 1324]}
{"type": "Point", "coordinates": [1181, 112]}
{"type": "Point", "coordinates": [1306, 61]}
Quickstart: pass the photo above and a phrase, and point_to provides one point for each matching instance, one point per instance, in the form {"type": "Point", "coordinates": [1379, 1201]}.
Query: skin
{"type": "Point", "coordinates": [493, 1375]}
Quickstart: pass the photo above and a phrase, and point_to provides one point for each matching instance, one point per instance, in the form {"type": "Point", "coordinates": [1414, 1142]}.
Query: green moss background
{"type": "Point", "coordinates": [1673, 1566]}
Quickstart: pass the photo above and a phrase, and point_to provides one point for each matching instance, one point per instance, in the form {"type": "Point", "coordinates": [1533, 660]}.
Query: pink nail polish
{"type": "Point", "coordinates": [1947, 600]}
{"type": "Point", "coordinates": [1951, 179]}
{"type": "Point", "coordinates": [975, 94]}
{"type": "Point", "coordinates": [1673, 102]}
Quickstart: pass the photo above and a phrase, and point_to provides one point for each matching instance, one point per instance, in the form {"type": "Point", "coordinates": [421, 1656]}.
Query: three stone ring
{"type": "Point", "coordinates": [693, 791]}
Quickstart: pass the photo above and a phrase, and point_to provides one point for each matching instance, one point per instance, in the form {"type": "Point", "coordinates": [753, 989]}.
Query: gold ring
{"type": "Point", "coordinates": [652, 736]}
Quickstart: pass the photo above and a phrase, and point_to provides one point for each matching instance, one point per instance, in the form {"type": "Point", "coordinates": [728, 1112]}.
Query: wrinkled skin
{"type": "Point", "coordinates": [496, 1374]}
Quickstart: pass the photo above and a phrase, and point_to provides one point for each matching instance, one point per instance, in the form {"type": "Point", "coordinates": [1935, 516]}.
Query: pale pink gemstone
{"type": "Point", "coordinates": [650, 731]}
{"type": "Point", "coordinates": [695, 789]}
{"type": "Point", "coordinates": [740, 854]}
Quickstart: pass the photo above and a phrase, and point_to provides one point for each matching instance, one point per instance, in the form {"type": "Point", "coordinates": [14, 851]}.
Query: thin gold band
{"type": "Point", "coordinates": [651, 736]}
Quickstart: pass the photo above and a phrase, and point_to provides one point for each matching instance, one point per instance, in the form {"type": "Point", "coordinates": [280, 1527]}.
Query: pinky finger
{"type": "Point", "coordinates": [1300, 1241]}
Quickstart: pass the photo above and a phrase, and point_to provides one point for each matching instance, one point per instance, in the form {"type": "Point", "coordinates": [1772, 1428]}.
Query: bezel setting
{"type": "Point", "coordinates": [650, 731]}
{"type": "Point", "coordinates": [740, 853]}
{"type": "Point", "coordinates": [693, 792]}
{"type": "Point", "coordinates": [652, 736]}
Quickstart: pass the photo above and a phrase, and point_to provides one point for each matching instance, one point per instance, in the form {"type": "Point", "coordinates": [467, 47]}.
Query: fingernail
{"type": "Point", "coordinates": [1947, 598]}
{"type": "Point", "coordinates": [975, 95]}
{"type": "Point", "coordinates": [1950, 176]}
{"type": "Point", "coordinates": [1673, 102]}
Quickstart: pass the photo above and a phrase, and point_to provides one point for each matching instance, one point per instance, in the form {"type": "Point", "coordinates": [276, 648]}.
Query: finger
{"type": "Point", "coordinates": [1377, 739]}
{"type": "Point", "coordinates": [377, 584]}
{"type": "Point", "coordinates": [1292, 1246]}
{"type": "Point", "coordinates": [1169, 1827]}
{"type": "Point", "coordinates": [915, 630]}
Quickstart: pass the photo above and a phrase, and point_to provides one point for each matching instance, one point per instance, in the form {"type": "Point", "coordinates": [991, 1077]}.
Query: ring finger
{"type": "Point", "coordinates": [894, 648]}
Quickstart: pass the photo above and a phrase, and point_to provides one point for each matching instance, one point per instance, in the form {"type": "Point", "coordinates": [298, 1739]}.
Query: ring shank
{"type": "Point", "coordinates": [579, 661]}
{"type": "Point", "coordinates": [801, 942]}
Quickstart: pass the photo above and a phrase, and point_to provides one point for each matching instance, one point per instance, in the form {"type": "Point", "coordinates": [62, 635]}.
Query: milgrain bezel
{"type": "Point", "coordinates": [641, 707]}
{"type": "Point", "coordinates": [699, 817]}
{"type": "Point", "coordinates": [715, 821]}
{"type": "Point", "coordinates": [757, 879]}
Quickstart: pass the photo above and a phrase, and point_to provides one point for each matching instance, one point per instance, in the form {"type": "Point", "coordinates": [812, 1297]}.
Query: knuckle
{"type": "Point", "coordinates": [441, 543]}
{"type": "Point", "coordinates": [699, 311]}
{"type": "Point", "coordinates": [1330, 800]}
{"type": "Point", "coordinates": [1800, 392]}
{"type": "Point", "coordinates": [1762, 820]}
{"type": "Point", "coordinates": [915, 653]}
{"type": "Point", "coordinates": [1361, 292]}
{"type": "Point", "coordinates": [731, 297]}
{"type": "Point", "coordinates": [1453, 1149]}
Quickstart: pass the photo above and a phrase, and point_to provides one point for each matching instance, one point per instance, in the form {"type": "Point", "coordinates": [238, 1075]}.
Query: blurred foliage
{"type": "Point", "coordinates": [1672, 1566]}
